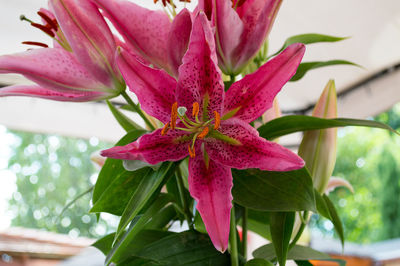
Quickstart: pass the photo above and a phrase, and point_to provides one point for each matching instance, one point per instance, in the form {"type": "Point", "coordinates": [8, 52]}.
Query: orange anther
{"type": "Point", "coordinates": [203, 133]}
{"type": "Point", "coordinates": [192, 152]}
{"type": "Point", "coordinates": [165, 129]}
{"type": "Point", "coordinates": [217, 120]}
{"type": "Point", "coordinates": [196, 109]}
{"type": "Point", "coordinates": [174, 114]}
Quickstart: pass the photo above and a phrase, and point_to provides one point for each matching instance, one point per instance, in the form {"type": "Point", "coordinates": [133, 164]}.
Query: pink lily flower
{"type": "Point", "coordinates": [207, 124]}
{"type": "Point", "coordinates": [80, 67]}
{"type": "Point", "coordinates": [150, 34]}
{"type": "Point", "coordinates": [241, 28]}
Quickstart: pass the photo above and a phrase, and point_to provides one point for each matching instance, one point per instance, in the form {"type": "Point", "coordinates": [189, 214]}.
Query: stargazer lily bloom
{"type": "Point", "coordinates": [207, 124]}
{"type": "Point", "coordinates": [241, 27]}
{"type": "Point", "coordinates": [150, 34]}
{"type": "Point", "coordinates": [80, 67]}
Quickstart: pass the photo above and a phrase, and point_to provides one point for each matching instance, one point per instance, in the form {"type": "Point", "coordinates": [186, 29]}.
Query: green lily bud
{"type": "Point", "coordinates": [318, 147]}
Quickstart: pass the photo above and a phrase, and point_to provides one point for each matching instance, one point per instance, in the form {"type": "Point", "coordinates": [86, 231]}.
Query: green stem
{"type": "Point", "coordinates": [233, 240]}
{"type": "Point", "coordinates": [300, 232]}
{"type": "Point", "coordinates": [137, 110]}
{"type": "Point", "coordinates": [185, 205]}
{"type": "Point", "coordinates": [244, 232]}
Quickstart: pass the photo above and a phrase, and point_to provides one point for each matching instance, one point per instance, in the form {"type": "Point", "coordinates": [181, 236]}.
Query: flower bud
{"type": "Point", "coordinates": [318, 147]}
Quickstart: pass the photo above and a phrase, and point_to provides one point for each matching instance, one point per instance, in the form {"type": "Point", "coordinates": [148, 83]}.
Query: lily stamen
{"type": "Point", "coordinates": [52, 23]}
{"type": "Point", "coordinates": [203, 133]}
{"type": "Point", "coordinates": [174, 114]}
{"type": "Point", "coordinates": [217, 120]}
{"type": "Point", "coordinates": [36, 43]}
{"type": "Point", "coordinates": [192, 152]}
{"type": "Point", "coordinates": [165, 129]}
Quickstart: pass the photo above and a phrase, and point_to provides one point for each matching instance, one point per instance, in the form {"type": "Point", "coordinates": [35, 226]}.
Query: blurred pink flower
{"type": "Point", "coordinates": [80, 67]}
{"type": "Point", "coordinates": [241, 27]}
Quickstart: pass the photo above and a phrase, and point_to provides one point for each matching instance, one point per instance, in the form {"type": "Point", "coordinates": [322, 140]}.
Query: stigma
{"type": "Point", "coordinates": [196, 127]}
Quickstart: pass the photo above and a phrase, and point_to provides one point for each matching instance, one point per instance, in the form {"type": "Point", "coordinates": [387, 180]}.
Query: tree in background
{"type": "Point", "coordinates": [51, 171]}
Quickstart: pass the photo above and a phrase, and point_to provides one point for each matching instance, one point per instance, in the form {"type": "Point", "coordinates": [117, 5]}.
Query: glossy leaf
{"type": "Point", "coordinates": [281, 224]}
{"type": "Point", "coordinates": [113, 167]}
{"type": "Point", "coordinates": [125, 122]}
{"type": "Point", "coordinates": [258, 222]}
{"type": "Point", "coordinates": [294, 123]}
{"type": "Point", "coordinates": [337, 223]}
{"type": "Point", "coordinates": [307, 263]}
{"type": "Point", "coordinates": [309, 38]}
{"type": "Point", "coordinates": [296, 253]}
{"type": "Point", "coordinates": [123, 243]}
{"type": "Point", "coordinates": [307, 66]}
{"type": "Point", "coordinates": [326, 208]}
{"type": "Point", "coordinates": [149, 184]}
{"type": "Point", "coordinates": [119, 192]}
{"type": "Point", "coordinates": [273, 191]}
{"type": "Point", "coordinates": [186, 248]}
{"type": "Point", "coordinates": [162, 218]}
{"type": "Point", "coordinates": [259, 262]}
{"type": "Point", "coordinates": [142, 239]}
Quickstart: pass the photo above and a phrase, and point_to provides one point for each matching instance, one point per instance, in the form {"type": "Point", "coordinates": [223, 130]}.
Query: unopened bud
{"type": "Point", "coordinates": [318, 147]}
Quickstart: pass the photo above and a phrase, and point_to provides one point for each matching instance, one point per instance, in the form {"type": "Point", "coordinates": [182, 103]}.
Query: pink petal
{"type": "Point", "coordinates": [229, 29]}
{"type": "Point", "coordinates": [143, 29]}
{"type": "Point", "coordinates": [258, 17]}
{"type": "Point", "coordinates": [52, 68]}
{"type": "Point", "coordinates": [199, 74]}
{"type": "Point", "coordinates": [39, 92]}
{"type": "Point", "coordinates": [254, 94]}
{"type": "Point", "coordinates": [89, 37]}
{"type": "Point", "coordinates": [252, 152]}
{"type": "Point", "coordinates": [178, 39]}
{"type": "Point", "coordinates": [211, 188]}
{"type": "Point", "coordinates": [154, 88]}
{"type": "Point", "coordinates": [153, 148]}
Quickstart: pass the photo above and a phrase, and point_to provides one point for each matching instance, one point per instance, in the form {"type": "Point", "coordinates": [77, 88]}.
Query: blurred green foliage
{"type": "Point", "coordinates": [369, 160]}
{"type": "Point", "coordinates": [51, 171]}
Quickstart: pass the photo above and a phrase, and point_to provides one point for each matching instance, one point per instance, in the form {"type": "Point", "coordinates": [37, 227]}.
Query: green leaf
{"type": "Point", "coordinates": [303, 263]}
{"type": "Point", "coordinates": [281, 224]}
{"type": "Point", "coordinates": [119, 192]}
{"type": "Point", "coordinates": [337, 223]}
{"type": "Point", "coordinates": [307, 263]}
{"type": "Point", "coordinates": [124, 121]}
{"type": "Point", "coordinates": [326, 208]}
{"type": "Point", "coordinates": [113, 167]}
{"type": "Point", "coordinates": [322, 208]}
{"type": "Point", "coordinates": [296, 253]}
{"type": "Point", "coordinates": [142, 239]}
{"type": "Point", "coordinates": [273, 191]}
{"type": "Point", "coordinates": [123, 243]}
{"type": "Point", "coordinates": [294, 123]}
{"type": "Point", "coordinates": [199, 224]}
{"type": "Point", "coordinates": [307, 66]}
{"type": "Point", "coordinates": [149, 184]}
{"type": "Point", "coordinates": [259, 262]}
{"type": "Point", "coordinates": [186, 248]}
{"type": "Point", "coordinates": [309, 38]}
{"type": "Point", "coordinates": [258, 222]}
{"type": "Point", "coordinates": [162, 218]}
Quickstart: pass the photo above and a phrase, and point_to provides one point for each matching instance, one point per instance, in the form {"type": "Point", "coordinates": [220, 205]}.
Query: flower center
{"type": "Point", "coordinates": [51, 29]}
{"type": "Point", "coordinates": [196, 128]}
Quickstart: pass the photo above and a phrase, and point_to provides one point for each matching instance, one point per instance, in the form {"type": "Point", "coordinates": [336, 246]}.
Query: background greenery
{"type": "Point", "coordinates": [369, 160]}
{"type": "Point", "coordinates": [52, 170]}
